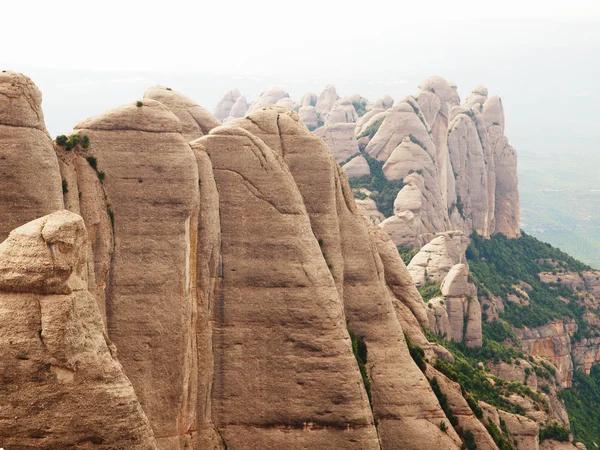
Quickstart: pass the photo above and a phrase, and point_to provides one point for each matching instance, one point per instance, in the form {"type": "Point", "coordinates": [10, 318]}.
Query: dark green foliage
{"type": "Point", "coordinates": [359, 195]}
{"type": "Point", "coordinates": [555, 432]}
{"type": "Point", "coordinates": [430, 290]}
{"type": "Point", "coordinates": [372, 129]}
{"type": "Point", "coordinates": [93, 162]}
{"type": "Point", "coordinates": [475, 381]}
{"type": "Point", "coordinates": [70, 142]}
{"type": "Point", "coordinates": [65, 186]}
{"type": "Point", "coordinates": [384, 191]}
{"type": "Point", "coordinates": [406, 253]}
{"type": "Point", "coordinates": [360, 108]}
{"type": "Point", "coordinates": [435, 386]}
{"type": "Point", "coordinates": [582, 402]}
{"type": "Point", "coordinates": [111, 216]}
{"type": "Point", "coordinates": [62, 140]}
{"type": "Point", "coordinates": [417, 354]}
{"type": "Point", "coordinates": [498, 263]}
{"type": "Point", "coordinates": [469, 440]}
{"type": "Point", "coordinates": [500, 439]}
{"type": "Point", "coordinates": [359, 348]}
{"type": "Point", "coordinates": [414, 140]}
{"type": "Point", "coordinates": [443, 426]}
{"type": "Point", "coordinates": [139, 104]}
{"type": "Point", "coordinates": [474, 406]}
{"type": "Point", "coordinates": [498, 331]}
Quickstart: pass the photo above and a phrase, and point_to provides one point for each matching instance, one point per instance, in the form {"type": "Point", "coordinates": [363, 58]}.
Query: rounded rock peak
{"type": "Point", "coordinates": [437, 85]}
{"type": "Point", "coordinates": [142, 115]}
{"type": "Point", "coordinates": [20, 101]}
{"type": "Point", "coordinates": [403, 107]}
{"type": "Point", "coordinates": [168, 96]}
{"type": "Point", "coordinates": [480, 89]}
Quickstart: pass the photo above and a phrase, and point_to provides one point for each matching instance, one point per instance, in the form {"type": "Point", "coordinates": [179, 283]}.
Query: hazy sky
{"type": "Point", "coordinates": [266, 36]}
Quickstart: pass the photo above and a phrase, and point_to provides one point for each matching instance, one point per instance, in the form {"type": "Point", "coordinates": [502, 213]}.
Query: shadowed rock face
{"type": "Point", "coordinates": [30, 184]}
{"type": "Point", "coordinates": [151, 186]}
{"type": "Point", "coordinates": [284, 369]}
{"type": "Point", "coordinates": [62, 385]}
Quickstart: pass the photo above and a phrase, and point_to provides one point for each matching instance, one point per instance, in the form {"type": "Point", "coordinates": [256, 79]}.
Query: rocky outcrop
{"type": "Point", "coordinates": [356, 167]}
{"type": "Point", "coordinates": [434, 260]}
{"type": "Point", "coordinates": [358, 271]}
{"type": "Point", "coordinates": [30, 182]}
{"type": "Point", "coordinates": [195, 120]}
{"type": "Point", "coordinates": [523, 432]}
{"type": "Point", "coordinates": [308, 115]}
{"type": "Point", "coordinates": [342, 112]}
{"type": "Point", "coordinates": [150, 181]}
{"type": "Point", "coordinates": [225, 105]}
{"type": "Point", "coordinates": [62, 385]}
{"type": "Point", "coordinates": [254, 183]}
{"type": "Point", "coordinates": [461, 410]}
{"type": "Point", "coordinates": [268, 97]}
{"type": "Point", "coordinates": [326, 100]}
{"type": "Point", "coordinates": [341, 140]}
{"type": "Point", "coordinates": [552, 341]}
{"type": "Point", "coordinates": [462, 306]}
{"type": "Point", "coordinates": [239, 109]}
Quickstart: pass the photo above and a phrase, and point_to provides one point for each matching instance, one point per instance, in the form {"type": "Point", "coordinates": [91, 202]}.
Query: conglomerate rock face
{"type": "Point", "coordinates": [30, 185]}
{"type": "Point", "coordinates": [250, 301]}
{"type": "Point", "coordinates": [62, 386]}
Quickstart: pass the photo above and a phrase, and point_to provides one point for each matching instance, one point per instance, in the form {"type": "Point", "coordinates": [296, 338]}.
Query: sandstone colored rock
{"type": "Point", "coordinates": [357, 167]}
{"type": "Point", "coordinates": [340, 138]}
{"type": "Point", "coordinates": [462, 306]}
{"type": "Point", "coordinates": [524, 431]}
{"type": "Point", "coordinates": [223, 109]}
{"type": "Point", "coordinates": [326, 100]}
{"type": "Point", "coordinates": [150, 180]}
{"type": "Point", "coordinates": [309, 99]}
{"type": "Point", "coordinates": [553, 341]}
{"type": "Point", "coordinates": [239, 109]}
{"type": "Point", "coordinates": [30, 182]}
{"type": "Point", "coordinates": [385, 102]}
{"type": "Point", "coordinates": [437, 257]}
{"type": "Point", "coordinates": [460, 408]}
{"type": "Point", "coordinates": [284, 288]}
{"type": "Point", "coordinates": [309, 116]}
{"type": "Point", "coordinates": [342, 112]}
{"type": "Point", "coordinates": [268, 97]}
{"type": "Point", "coordinates": [400, 122]}
{"type": "Point", "coordinates": [195, 120]}
{"type": "Point", "coordinates": [62, 385]}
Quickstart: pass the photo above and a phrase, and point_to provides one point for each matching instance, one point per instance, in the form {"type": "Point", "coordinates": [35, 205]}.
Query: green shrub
{"type": "Point", "coordinates": [372, 129]}
{"type": "Point", "coordinates": [65, 186]}
{"type": "Point", "coordinates": [139, 104]}
{"type": "Point", "coordinates": [406, 253]}
{"type": "Point", "coordinates": [417, 354]}
{"type": "Point", "coordinates": [359, 348]}
{"type": "Point", "coordinates": [430, 290]}
{"type": "Point", "coordinates": [384, 190]}
{"type": "Point", "coordinates": [555, 432]}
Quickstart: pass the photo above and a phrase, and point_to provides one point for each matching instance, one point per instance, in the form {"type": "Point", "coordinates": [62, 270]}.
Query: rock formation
{"type": "Point", "coordinates": [30, 185]}
{"type": "Point", "coordinates": [225, 105]}
{"type": "Point", "coordinates": [356, 167]}
{"type": "Point", "coordinates": [62, 386]}
{"type": "Point", "coordinates": [252, 301]}
{"type": "Point", "coordinates": [340, 138]}
{"type": "Point", "coordinates": [195, 120]}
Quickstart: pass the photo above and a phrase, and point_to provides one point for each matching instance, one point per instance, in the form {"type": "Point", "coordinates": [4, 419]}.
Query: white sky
{"type": "Point", "coordinates": [258, 36]}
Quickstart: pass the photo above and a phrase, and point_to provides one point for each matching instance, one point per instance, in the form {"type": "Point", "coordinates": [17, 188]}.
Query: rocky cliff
{"type": "Point", "coordinates": [199, 285]}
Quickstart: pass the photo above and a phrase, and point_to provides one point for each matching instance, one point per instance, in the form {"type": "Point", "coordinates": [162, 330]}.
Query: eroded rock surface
{"type": "Point", "coordinates": [62, 385]}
